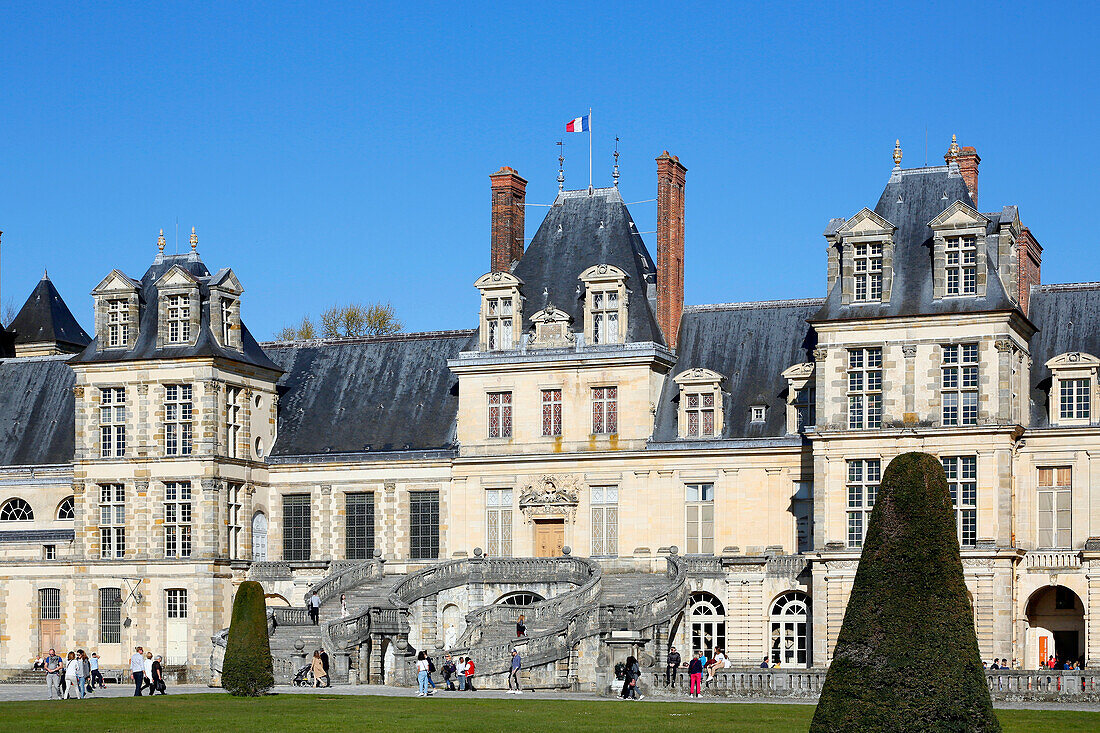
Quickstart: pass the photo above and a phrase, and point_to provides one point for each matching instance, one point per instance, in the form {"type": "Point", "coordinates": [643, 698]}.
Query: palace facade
{"type": "Point", "coordinates": [625, 471]}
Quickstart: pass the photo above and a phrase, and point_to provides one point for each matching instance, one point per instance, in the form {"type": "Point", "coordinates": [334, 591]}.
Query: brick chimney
{"type": "Point", "coordinates": [670, 244]}
{"type": "Point", "coordinates": [968, 161]}
{"type": "Point", "coordinates": [506, 243]}
{"type": "Point", "coordinates": [1029, 257]}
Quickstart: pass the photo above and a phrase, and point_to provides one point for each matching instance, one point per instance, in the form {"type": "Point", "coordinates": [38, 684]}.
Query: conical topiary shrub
{"type": "Point", "coordinates": [247, 669]}
{"type": "Point", "coordinates": [907, 658]}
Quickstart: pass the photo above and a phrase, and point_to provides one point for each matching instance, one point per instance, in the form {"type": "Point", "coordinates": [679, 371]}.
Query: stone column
{"type": "Point", "coordinates": [1003, 409]}
{"type": "Point", "coordinates": [323, 538]}
{"type": "Point", "coordinates": [205, 535]}
{"type": "Point", "coordinates": [909, 390]}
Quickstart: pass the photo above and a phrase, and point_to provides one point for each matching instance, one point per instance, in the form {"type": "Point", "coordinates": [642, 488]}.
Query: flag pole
{"type": "Point", "coordinates": [589, 148]}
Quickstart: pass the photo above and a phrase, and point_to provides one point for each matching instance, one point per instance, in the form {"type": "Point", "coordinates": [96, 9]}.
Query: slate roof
{"type": "Point", "coordinates": [37, 535]}
{"type": "Point", "coordinates": [205, 345]}
{"type": "Point", "coordinates": [1068, 318]}
{"type": "Point", "coordinates": [36, 411]}
{"type": "Point", "coordinates": [749, 344]}
{"type": "Point", "coordinates": [45, 317]}
{"type": "Point", "coordinates": [383, 394]}
{"type": "Point", "coordinates": [579, 231]}
{"type": "Point", "coordinates": [924, 193]}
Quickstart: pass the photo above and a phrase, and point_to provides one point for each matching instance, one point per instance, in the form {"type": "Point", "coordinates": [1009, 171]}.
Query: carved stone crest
{"type": "Point", "coordinates": [550, 495]}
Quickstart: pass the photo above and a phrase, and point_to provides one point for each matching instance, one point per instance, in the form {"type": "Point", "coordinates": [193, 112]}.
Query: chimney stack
{"type": "Point", "coordinates": [671, 175]}
{"type": "Point", "coordinates": [506, 242]}
{"type": "Point", "coordinates": [967, 159]}
{"type": "Point", "coordinates": [1029, 260]}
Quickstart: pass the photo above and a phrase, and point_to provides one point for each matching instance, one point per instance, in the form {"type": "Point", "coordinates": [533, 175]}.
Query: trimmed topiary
{"type": "Point", "coordinates": [247, 669]}
{"type": "Point", "coordinates": [907, 657]}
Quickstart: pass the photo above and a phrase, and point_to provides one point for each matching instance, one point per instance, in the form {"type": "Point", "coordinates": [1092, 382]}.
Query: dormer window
{"type": "Point", "coordinates": [118, 323]}
{"type": "Point", "coordinates": [116, 311]}
{"type": "Point", "coordinates": [501, 311]}
{"type": "Point", "coordinates": [962, 265]}
{"type": "Point", "coordinates": [801, 397]}
{"type": "Point", "coordinates": [757, 413]}
{"type": "Point", "coordinates": [227, 320]}
{"type": "Point", "coordinates": [179, 319]}
{"type": "Point", "coordinates": [861, 255]}
{"type": "Point", "coordinates": [958, 252]}
{"type": "Point", "coordinates": [700, 413]}
{"type": "Point", "coordinates": [1075, 399]}
{"type": "Point", "coordinates": [225, 309]}
{"type": "Point", "coordinates": [605, 304]}
{"type": "Point", "coordinates": [867, 261]}
{"type": "Point", "coordinates": [1073, 389]}
{"type": "Point", "coordinates": [178, 308]}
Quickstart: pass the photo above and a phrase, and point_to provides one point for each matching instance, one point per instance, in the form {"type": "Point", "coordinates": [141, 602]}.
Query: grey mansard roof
{"type": "Point", "coordinates": [46, 318]}
{"type": "Point", "coordinates": [911, 199]}
{"type": "Point", "coordinates": [749, 344]}
{"type": "Point", "coordinates": [1068, 318]}
{"type": "Point", "coordinates": [582, 230]}
{"type": "Point", "coordinates": [36, 411]}
{"type": "Point", "coordinates": [205, 345]}
{"type": "Point", "coordinates": [383, 394]}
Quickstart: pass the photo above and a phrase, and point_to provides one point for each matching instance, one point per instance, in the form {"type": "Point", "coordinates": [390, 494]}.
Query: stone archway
{"type": "Point", "coordinates": [1056, 626]}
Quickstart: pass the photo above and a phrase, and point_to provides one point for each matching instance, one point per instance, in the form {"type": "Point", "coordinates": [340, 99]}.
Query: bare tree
{"type": "Point", "coordinates": [9, 313]}
{"type": "Point", "coordinates": [303, 331]}
{"type": "Point", "coordinates": [356, 319]}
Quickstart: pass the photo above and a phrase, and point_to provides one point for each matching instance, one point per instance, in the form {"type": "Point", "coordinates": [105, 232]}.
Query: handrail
{"type": "Point", "coordinates": [338, 582]}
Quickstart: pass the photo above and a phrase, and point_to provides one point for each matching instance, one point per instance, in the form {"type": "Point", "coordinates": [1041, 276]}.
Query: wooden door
{"type": "Point", "coordinates": [549, 538]}
{"type": "Point", "coordinates": [49, 631]}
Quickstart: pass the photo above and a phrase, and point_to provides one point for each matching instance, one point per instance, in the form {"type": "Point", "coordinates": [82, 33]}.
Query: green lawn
{"type": "Point", "coordinates": [330, 713]}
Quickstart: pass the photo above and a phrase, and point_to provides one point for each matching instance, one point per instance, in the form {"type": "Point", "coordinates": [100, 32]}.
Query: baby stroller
{"type": "Point", "coordinates": [304, 677]}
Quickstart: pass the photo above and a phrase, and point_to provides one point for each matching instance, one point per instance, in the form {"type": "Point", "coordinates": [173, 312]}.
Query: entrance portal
{"type": "Point", "coordinates": [1056, 627]}
{"type": "Point", "coordinates": [549, 537]}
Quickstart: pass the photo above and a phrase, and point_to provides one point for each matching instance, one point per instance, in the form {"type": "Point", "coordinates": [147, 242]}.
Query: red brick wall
{"type": "Point", "coordinates": [968, 165]}
{"type": "Point", "coordinates": [671, 176]}
{"type": "Point", "coordinates": [1029, 257]}
{"type": "Point", "coordinates": [506, 241]}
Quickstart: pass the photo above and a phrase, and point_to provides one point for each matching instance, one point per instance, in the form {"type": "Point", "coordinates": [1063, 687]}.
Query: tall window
{"type": "Point", "coordinates": [790, 626]}
{"type": "Point", "coordinates": [112, 520]}
{"type": "Point", "coordinates": [708, 623]}
{"type": "Point", "coordinates": [498, 316]}
{"type": "Point", "coordinates": [962, 265]}
{"type": "Point", "coordinates": [699, 534]}
{"type": "Point", "coordinates": [176, 603]}
{"type": "Point", "coordinates": [605, 521]}
{"type": "Point", "coordinates": [605, 410]}
{"type": "Point", "coordinates": [359, 525]}
{"type": "Point", "coordinates": [500, 414]}
{"type": "Point", "coordinates": [110, 615]}
{"type": "Point", "coordinates": [233, 520]}
{"type": "Point", "coordinates": [962, 479]}
{"type": "Point", "coordinates": [551, 412]}
{"type": "Point", "coordinates": [259, 536]}
{"type": "Point", "coordinates": [498, 522]}
{"type": "Point", "coordinates": [700, 414]}
{"type": "Point", "coordinates": [232, 421]}
{"type": "Point", "coordinates": [1055, 502]}
{"type": "Point", "coordinates": [863, 480]}
{"type": "Point", "coordinates": [112, 422]}
{"type": "Point", "coordinates": [179, 319]}
{"type": "Point", "coordinates": [227, 320]}
{"type": "Point", "coordinates": [605, 317]}
{"type": "Point", "coordinates": [865, 388]}
{"type": "Point", "coordinates": [177, 420]}
{"type": "Point", "coordinates": [296, 527]}
{"type": "Point", "coordinates": [805, 408]}
{"type": "Point", "coordinates": [868, 271]}
{"type": "Point", "coordinates": [423, 525]}
{"type": "Point", "coordinates": [118, 321]}
{"type": "Point", "coordinates": [960, 384]}
{"type": "Point", "coordinates": [49, 604]}
{"type": "Point", "coordinates": [177, 519]}
{"type": "Point", "coordinates": [1075, 398]}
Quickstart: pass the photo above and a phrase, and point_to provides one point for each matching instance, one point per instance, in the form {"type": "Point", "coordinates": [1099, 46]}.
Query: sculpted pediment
{"type": "Point", "coordinates": [115, 282]}
{"type": "Point", "coordinates": [550, 496]}
{"type": "Point", "coordinates": [958, 216]}
{"type": "Point", "coordinates": [1073, 360]}
{"type": "Point", "coordinates": [176, 277]}
{"type": "Point", "coordinates": [497, 279]}
{"type": "Point", "coordinates": [867, 222]}
{"type": "Point", "coordinates": [799, 371]}
{"type": "Point", "coordinates": [697, 375]}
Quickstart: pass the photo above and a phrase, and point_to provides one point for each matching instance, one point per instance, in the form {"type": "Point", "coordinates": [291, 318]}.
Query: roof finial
{"type": "Point", "coordinates": [897, 153]}
{"type": "Point", "coordinates": [615, 172]}
{"type": "Point", "coordinates": [194, 239]}
{"type": "Point", "coordinates": [45, 274]}
{"type": "Point", "coordinates": [561, 169]}
{"type": "Point", "coordinates": [953, 151]}
{"type": "Point", "coordinates": [160, 242]}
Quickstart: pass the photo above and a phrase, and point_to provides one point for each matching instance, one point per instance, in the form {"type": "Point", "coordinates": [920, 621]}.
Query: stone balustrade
{"type": "Point", "coordinates": [1045, 560]}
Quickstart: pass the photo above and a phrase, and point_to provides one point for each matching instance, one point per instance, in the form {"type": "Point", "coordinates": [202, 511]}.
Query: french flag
{"type": "Point", "coordinates": [578, 125]}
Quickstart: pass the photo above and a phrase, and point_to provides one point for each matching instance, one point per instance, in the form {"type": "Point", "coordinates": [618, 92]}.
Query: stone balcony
{"type": "Point", "coordinates": [1043, 561]}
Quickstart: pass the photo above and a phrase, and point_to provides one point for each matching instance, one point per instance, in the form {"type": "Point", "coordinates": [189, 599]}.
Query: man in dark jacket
{"type": "Point", "coordinates": [324, 663]}
{"type": "Point", "coordinates": [449, 670]}
{"type": "Point", "coordinates": [672, 667]}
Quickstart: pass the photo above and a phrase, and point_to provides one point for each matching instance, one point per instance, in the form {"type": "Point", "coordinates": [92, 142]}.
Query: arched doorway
{"type": "Point", "coordinates": [1056, 626]}
{"type": "Point", "coordinates": [708, 623]}
{"type": "Point", "coordinates": [790, 630]}
{"type": "Point", "coordinates": [259, 536]}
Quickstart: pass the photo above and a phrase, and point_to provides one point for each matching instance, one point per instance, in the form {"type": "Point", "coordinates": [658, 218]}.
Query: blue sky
{"type": "Point", "coordinates": [337, 154]}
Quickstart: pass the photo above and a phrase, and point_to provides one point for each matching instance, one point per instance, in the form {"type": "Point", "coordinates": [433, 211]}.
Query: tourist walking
{"type": "Point", "coordinates": [315, 608]}
{"type": "Point", "coordinates": [631, 672]}
{"type": "Point", "coordinates": [96, 675]}
{"type": "Point", "coordinates": [672, 667]}
{"type": "Point", "coordinates": [521, 626]}
{"type": "Point", "coordinates": [73, 669]}
{"type": "Point", "coordinates": [343, 606]}
{"type": "Point", "coordinates": [324, 663]}
{"type": "Point", "coordinates": [695, 675]}
{"type": "Point", "coordinates": [148, 680]}
{"type": "Point", "coordinates": [53, 666]}
{"type": "Point", "coordinates": [422, 674]}
{"type": "Point", "coordinates": [449, 670]}
{"type": "Point", "coordinates": [137, 670]}
{"type": "Point", "coordinates": [513, 674]}
{"type": "Point", "coordinates": [85, 673]}
{"type": "Point", "coordinates": [318, 669]}
{"type": "Point", "coordinates": [461, 674]}
{"type": "Point", "coordinates": [158, 677]}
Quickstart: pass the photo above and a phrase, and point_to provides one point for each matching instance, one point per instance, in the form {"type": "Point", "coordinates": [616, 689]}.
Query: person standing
{"type": "Point", "coordinates": [462, 674]}
{"type": "Point", "coordinates": [630, 681]}
{"type": "Point", "coordinates": [137, 670]}
{"type": "Point", "coordinates": [521, 626]}
{"type": "Point", "coordinates": [470, 675]}
{"type": "Point", "coordinates": [324, 664]}
{"type": "Point", "coordinates": [315, 608]}
{"type": "Point", "coordinates": [85, 673]}
{"type": "Point", "coordinates": [158, 677]}
{"type": "Point", "coordinates": [52, 665]}
{"type": "Point", "coordinates": [318, 669]}
{"type": "Point", "coordinates": [148, 679]}
{"type": "Point", "coordinates": [73, 669]}
{"type": "Point", "coordinates": [513, 674]}
{"type": "Point", "coordinates": [449, 670]}
{"type": "Point", "coordinates": [672, 667]}
{"type": "Point", "coordinates": [695, 675]}
{"type": "Point", "coordinates": [422, 674]}
{"type": "Point", "coordinates": [343, 605]}
{"type": "Point", "coordinates": [95, 675]}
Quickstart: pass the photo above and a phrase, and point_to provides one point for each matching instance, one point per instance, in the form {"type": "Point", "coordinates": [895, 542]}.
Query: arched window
{"type": "Point", "coordinates": [66, 509]}
{"type": "Point", "coordinates": [259, 536]}
{"type": "Point", "coordinates": [519, 598]}
{"type": "Point", "coordinates": [790, 628]}
{"type": "Point", "coordinates": [16, 510]}
{"type": "Point", "coordinates": [708, 623]}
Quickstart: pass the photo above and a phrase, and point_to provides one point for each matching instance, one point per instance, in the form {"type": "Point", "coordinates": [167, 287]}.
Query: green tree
{"type": "Point", "coordinates": [247, 670]}
{"type": "Point", "coordinates": [356, 319]}
{"type": "Point", "coordinates": [302, 332]}
{"type": "Point", "coordinates": [907, 657]}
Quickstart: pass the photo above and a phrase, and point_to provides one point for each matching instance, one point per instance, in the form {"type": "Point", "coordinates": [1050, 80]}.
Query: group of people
{"type": "Point", "coordinates": [319, 669]}
{"type": "Point", "coordinates": [147, 672]}
{"type": "Point", "coordinates": [460, 671]}
{"type": "Point", "coordinates": [1053, 663]}
{"type": "Point", "coordinates": [76, 676]}
{"type": "Point", "coordinates": [701, 663]}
